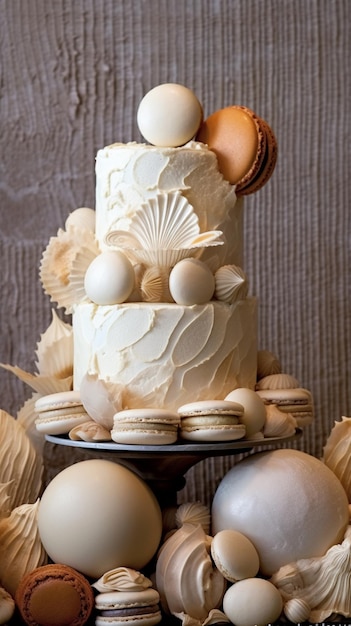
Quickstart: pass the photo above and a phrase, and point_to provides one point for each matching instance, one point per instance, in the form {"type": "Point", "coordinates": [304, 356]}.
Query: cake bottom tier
{"type": "Point", "coordinates": [164, 355]}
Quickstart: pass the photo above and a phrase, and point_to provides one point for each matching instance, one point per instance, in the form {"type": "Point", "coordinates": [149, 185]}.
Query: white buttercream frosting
{"type": "Point", "coordinates": [129, 174]}
{"type": "Point", "coordinates": [164, 354]}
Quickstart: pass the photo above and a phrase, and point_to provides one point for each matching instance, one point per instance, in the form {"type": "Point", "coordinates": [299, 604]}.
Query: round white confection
{"type": "Point", "coordinates": [288, 503]}
{"type": "Point", "coordinates": [252, 601]}
{"type": "Point", "coordinates": [97, 515]}
{"type": "Point", "coordinates": [235, 555]}
{"type": "Point", "coordinates": [82, 218]}
{"type": "Point", "coordinates": [191, 282]}
{"type": "Point", "coordinates": [109, 278]}
{"type": "Point", "coordinates": [169, 115]}
{"type": "Point", "coordinates": [254, 415]}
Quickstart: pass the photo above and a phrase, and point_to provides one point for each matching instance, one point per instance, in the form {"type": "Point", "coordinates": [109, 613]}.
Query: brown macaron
{"type": "Point", "coordinates": [55, 595]}
{"type": "Point", "coordinates": [244, 144]}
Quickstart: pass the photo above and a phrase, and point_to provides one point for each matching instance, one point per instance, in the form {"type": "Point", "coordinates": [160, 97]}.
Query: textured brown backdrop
{"type": "Point", "coordinates": [72, 74]}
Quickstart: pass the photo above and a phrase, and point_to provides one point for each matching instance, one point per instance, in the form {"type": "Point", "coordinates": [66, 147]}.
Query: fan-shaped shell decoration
{"type": "Point", "coordinates": [194, 513]}
{"type": "Point", "coordinates": [323, 583]}
{"type": "Point", "coordinates": [267, 364]}
{"type": "Point", "coordinates": [163, 231]}
{"type": "Point", "coordinates": [21, 549]}
{"type": "Point", "coordinates": [20, 465]}
{"type": "Point", "coordinates": [55, 349]}
{"type": "Point", "coordinates": [337, 453]}
{"type": "Point", "coordinates": [277, 381]}
{"type": "Point", "coordinates": [231, 284]}
{"type": "Point", "coordinates": [64, 263]}
{"type": "Point", "coordinates": [154, 285]}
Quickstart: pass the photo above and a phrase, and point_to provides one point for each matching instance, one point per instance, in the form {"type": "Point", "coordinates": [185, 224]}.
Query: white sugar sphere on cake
{"type": "Point", "coordinates": [169, 115]}
{"type": "Point", "coordinates": [254, 416]}
{"type": "Point", "coordinates": [288, 503]}
{"type": "Point", "coordinates": [82, 218]}
{"type": "Point", "coordinates": [97, 515]}
{"type": "Point", "coordinates": [191, 282]}
{"type": "Point", "coordinates": [109, 278]}
{"type": "Point", "coordinates": [252, 601]}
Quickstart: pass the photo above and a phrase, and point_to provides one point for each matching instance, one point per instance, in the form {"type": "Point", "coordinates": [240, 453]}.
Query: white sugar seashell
{"type": "Point", "coordinates": [194, 513]}
{"type": "Point", "coordinates": [277, 381]}
{"type": "Point", "coordinates": [278, 424]}
{"type": "Point", "coordinates": [163, 231]}
{"type": "Point", "coordinates": [267, 363]}
{"type": "Point", "coordinates": [89, 431]}
{"type": "Point", "coordinates": [231, 284]}
{"type": "Point", "coordinates": [154, 285]}
{"type": "Point", "coordinates": [21, 549]}
{"type": "Point", "coordinates": [20, 465]}
{"type": "Point", "coordinates": [101, 399]}
{"type": "Point", "coordinates": [55, 349]}
{"type": "Point", "coordinates": [323, 583]}
{"type": "Point", "coordinates": [7, 606]}
{"type": "Point", "coordinates": [69, 250]}
{"type": "Point", "coordinates": [297, 610]}
{"type": "Point", "coordinates": [337, 453]}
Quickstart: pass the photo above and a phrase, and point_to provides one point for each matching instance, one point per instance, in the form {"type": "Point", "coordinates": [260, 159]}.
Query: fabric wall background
{"type": "Point", "coordinates": [72, 75]}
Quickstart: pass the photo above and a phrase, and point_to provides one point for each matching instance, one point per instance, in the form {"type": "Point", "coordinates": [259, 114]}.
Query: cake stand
{"type": "Point", "coordinates": [164, 467]}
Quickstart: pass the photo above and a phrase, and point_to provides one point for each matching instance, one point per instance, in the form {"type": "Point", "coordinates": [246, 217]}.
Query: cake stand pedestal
{"type": "Point", "coordinates": [164, 467]}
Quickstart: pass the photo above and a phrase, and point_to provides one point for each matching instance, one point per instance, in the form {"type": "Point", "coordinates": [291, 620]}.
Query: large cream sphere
{"type": "Point", "coordinates": [288, 503]}
{"type": "Point", "coordinates": [252, 601]}
{"type": "Point", "coordinates": [97, 515]}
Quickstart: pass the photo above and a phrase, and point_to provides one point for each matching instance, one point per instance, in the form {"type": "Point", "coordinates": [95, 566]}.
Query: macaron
{"type": "Point", "coordinates": [55, 595]}
{"type": "Point", "coordinates": [118, 608]}
{"type": "Point", "coordinates": [151, 427]}
{"type": "Point", "coordinates": [298, 402]}
{"type": "Point", "coordinates": [211, 420]}
{"type": "Point", "coordinates": [244, 144]}
{"type": "Point", "coordinates": [234, 555]}
{"type": "Point", "coordinates": [58, 412]}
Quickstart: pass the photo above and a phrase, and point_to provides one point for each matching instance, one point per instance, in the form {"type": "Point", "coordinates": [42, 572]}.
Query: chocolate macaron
{"type": "Point", "coordinates": [55, 595]}
{"type": "Point", "coordinates": [244, 144]}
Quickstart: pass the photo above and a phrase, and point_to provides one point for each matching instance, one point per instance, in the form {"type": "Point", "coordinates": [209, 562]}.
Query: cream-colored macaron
{"type": "Point", "coordinates": [234, 555]}
{"type": "Point", "coordinates": [58, 413]}
{"type": "Point", "coordinates": [298, 402]}
{"type": "Point", "coordinates": [211, 420]}
{"type": "Point", "coordinates": [150, 427]}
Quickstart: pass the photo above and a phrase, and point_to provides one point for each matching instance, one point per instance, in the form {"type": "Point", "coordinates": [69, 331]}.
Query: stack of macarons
{"type": "Point", "coordinates": [58, 413]}
{"type": "Point", "coordinates": [117, 608]}
{"type": "Point", "coordinates": [211, 421]}
{"type": "Point", "coordinates": [151, 427]}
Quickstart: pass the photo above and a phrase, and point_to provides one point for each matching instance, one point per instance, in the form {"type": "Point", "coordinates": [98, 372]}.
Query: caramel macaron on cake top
{"type": "Point", "coordinates": [244, 144]}
{"type": "Point", "coordinates": [55, 595]}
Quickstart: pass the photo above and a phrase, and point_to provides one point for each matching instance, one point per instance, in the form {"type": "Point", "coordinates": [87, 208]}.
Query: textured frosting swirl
{"type": "Point", "coordinates": [122, 579]}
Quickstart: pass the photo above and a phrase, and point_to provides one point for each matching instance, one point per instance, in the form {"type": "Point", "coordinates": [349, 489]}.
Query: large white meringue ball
{"type": "Point", "coordinates": [169, 115]}
{"type": "Point", "coordinates": [288, 503]}
{"type": "Point", "coordinates": [97, 515]}
{"type": "Point", "coordinates": [109, 278]}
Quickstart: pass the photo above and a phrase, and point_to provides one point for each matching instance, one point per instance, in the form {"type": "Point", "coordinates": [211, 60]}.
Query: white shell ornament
{"type": "Point", "coordinates": [323, 583]}
{"type": "Point", "coordinates": [231, 284]}
{"type": "Point", "coordinates": [163, 231]}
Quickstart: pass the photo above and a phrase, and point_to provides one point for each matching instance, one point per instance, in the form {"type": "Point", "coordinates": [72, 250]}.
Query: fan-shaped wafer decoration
{"type": "Point", "coordinates": [20, 465]}
{"type": "Point", "coordinates": [337, 453]}
{"type": "Point", "coordinates": [163, 231]}
{"type": "Point", "coordinates": [231, 284]}
{"type": "Point", "coordinates": [64, 263]}
{"type": "Point", "coordinates": [21, 549]}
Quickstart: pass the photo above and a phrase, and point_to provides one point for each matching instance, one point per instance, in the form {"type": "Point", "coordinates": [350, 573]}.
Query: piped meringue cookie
{"type": "Point", "coordinates": [122, 579]}
{"type": "Point", "coordinates": [7, 606]}
{"type": "Point", "coordinates": [186, 578]}
{"type": "Point", "coordinates": [194, 513]}
{"type": "Point", "coordinates": [278, 423]}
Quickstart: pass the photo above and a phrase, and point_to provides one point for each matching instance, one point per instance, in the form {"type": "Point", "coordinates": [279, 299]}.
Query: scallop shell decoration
{"type": "Point", "coordinates": [154, 285]}
{"type": "Point", "coordinates": [337, 453]}
{"type": "Point", "coordinates": [267, 364]}
{"type": "Point", "coordinates": [163, 231]}
{"type": "Point", "coordinates": [64, 263]}
{"type": "Point", "coordinates": [277, 381]}
{"type": "Point", "coordinates": [322, 583]}
{"type": "Point", "coordinates": [231, 284]}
